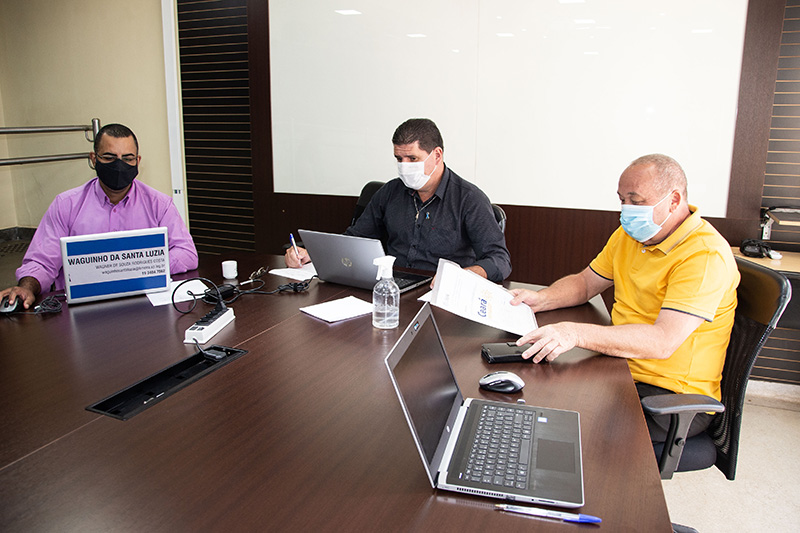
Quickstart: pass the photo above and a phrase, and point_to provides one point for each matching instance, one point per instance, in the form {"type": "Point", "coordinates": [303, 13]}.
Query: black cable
{"type": "Point", "coordinates": [227, 289]}
{"type": "Point", "coordinates": [49, 305]}
{"type": "Point", "coordinates": [294, 287]}
{"type": "Point", "coordinates": [194, 296]}
{"type": "Point", "coordinates": [209, 297]}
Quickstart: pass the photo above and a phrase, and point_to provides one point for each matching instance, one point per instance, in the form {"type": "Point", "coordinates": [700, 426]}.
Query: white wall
{"type": "Point", "coordinates": [540, 102]}
{"type": "Point", "coordinates": [66, 63]}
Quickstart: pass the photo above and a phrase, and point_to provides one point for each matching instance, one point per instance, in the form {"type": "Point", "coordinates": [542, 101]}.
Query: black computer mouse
{"type": "Point", "coordinates": [5, 307]}
{"type": "Point", "coordinates": [501, 381]}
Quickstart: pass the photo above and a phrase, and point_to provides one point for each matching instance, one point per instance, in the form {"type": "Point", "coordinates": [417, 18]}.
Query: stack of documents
{"type": "Point", "coordinates": [300, 274]}
{"type": "Point", "coordinates": [340, 309]}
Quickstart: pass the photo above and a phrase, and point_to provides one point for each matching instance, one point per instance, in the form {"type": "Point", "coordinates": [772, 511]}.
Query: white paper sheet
{"type": "Point", "coordinates": [299, 274]}
{"type": "Point", "coordinates": [340, 309]}
{"type": "Point", "coordinates": [468, 295]}
{"type": "Point", "coordinates": [165, 297]}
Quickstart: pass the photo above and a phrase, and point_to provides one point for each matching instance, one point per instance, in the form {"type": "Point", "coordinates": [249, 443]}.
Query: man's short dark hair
{"type": "Point", "coordinates": [422, 130]}
{"type": "Point", "coordinates": [115, 130]}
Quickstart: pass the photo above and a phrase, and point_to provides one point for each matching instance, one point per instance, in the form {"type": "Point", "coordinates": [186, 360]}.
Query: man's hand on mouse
{"type": "Point", "coordinates": [24, 291]}
{"type": "Point", "coordinates": [548, 342]}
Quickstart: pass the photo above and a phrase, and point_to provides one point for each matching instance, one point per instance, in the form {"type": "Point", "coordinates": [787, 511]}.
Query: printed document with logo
{"type": "Point", "coordinates": [468, 295]}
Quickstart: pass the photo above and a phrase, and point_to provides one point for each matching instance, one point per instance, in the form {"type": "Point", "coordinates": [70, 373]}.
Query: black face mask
{"type": "Point", "coordinates": [116, 175]}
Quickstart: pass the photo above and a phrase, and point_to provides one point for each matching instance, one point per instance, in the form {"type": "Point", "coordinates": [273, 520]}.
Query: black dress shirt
{"type": "Point", "coordinates": [456, 223]}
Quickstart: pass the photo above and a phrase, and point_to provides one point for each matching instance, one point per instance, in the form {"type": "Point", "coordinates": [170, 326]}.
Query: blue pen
{"type": "Point", "coordinates": [294, 245]}
{"type": "Point", "coordinates": [546, 513]}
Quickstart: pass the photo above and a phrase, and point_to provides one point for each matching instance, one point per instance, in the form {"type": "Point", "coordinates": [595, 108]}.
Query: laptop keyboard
{"type": "Point", "coordinates": [407, 280]}
{"type": "Point", "coordinates": [500, 453]}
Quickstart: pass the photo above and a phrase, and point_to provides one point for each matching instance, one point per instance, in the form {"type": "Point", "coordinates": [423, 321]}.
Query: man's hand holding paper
{"type": "Point", "coordinates": [470, 296]}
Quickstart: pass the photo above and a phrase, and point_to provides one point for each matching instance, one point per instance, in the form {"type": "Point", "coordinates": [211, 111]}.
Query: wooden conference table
{"type": "Point", "coordinates": [303, 433]}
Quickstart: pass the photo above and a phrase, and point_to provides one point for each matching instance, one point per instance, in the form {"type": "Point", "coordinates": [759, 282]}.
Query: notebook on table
{"type": "Point", "coordinates": [347, 260]}
{"type": "Point", "coordinates": [531, 454]}
{"type": "Point", "coordinates": [101, 266]}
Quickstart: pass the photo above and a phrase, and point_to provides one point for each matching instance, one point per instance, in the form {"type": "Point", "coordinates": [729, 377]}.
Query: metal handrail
{"type": "Point", "coordinates": [94, 127]}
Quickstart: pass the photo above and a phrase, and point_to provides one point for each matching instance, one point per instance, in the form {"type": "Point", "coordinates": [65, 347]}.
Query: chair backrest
{"type": "Point", "coordinates": [762, 296]}
{"type": "Point", "coordinates": [500, 216]}
{"type": "Point", "coordinates": [363, 199]}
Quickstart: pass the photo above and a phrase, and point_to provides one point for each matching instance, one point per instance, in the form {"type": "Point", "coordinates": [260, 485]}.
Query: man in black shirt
{"type": "Point", "coordinates": [430, 212]}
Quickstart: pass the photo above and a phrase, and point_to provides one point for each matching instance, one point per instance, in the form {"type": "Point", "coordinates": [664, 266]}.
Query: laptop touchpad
{"type": "Point", "coordinates": [555, 455]}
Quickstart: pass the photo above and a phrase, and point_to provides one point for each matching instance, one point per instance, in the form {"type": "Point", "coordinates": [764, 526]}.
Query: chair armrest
{"type": "Point", "coordinates": [681, 408]}
{"type": "Point", "coordinates": [668, 404]}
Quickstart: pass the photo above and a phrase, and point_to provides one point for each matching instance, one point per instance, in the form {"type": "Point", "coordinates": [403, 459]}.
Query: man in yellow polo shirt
{"type": "Point", "coordinates": [674, 279]}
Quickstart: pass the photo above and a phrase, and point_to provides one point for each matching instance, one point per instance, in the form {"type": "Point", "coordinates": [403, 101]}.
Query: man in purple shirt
{"type": "Point", "coordinates": [112, 201]}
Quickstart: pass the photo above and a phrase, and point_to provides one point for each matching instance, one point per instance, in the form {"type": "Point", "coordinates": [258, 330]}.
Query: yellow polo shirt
{"type": "Point", "coordinates": [692, 271]}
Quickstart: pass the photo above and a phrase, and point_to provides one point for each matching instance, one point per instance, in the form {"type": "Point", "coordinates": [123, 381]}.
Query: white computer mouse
{"type": "Point", "coordinates": [501, 381]}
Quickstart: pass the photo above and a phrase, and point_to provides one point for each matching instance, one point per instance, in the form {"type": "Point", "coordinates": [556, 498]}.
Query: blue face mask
{"type": "Point", "coordinates": [637, 220]}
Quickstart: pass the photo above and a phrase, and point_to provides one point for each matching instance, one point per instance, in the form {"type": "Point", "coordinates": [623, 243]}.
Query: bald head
{"type": "Point", "coordinates": [667, 173]}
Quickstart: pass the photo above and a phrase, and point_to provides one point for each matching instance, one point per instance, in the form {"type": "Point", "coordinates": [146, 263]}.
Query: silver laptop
{"type": "Point", "coordinates": [348, 260]}
{"type": "Point", "coordinates": [537, 462]}
{"type": "Point", "coordinates": [100, 266]}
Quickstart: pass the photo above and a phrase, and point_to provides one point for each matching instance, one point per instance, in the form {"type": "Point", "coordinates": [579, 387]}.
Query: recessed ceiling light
{"type": "Point", "coordinates": [348, 12]}
{"type": "Point", "coordinates": [415, 35]}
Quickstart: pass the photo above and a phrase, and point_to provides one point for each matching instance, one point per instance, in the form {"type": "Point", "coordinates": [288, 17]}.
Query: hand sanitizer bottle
{"type": "Point", "coordinates": [385, 296]}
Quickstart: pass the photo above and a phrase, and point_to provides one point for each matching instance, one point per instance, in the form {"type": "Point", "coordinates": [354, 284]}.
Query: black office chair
{"type": "Point", "coordinates": [366, 194]}
{"type": "Point", "coordinates": [762, 296]}
{"type": "Point", "coordinates": [500, 216]}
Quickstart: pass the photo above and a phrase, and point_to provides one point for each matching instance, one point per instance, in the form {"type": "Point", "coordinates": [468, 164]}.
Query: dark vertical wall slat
{"type": "Point", "coordinates": [751, 138]}
{"type": "Point", "coordinates": [214, 55]}
{"type": "Point", "coordinates": [269, 237]}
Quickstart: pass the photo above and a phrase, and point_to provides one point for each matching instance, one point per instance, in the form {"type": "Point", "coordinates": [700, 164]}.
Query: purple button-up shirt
{"type": "Point", "coordinates": [86, 209]}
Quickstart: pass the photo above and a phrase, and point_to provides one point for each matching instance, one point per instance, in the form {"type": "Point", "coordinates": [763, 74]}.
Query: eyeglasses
{"type": "Point", "coordinates": [110, 158]}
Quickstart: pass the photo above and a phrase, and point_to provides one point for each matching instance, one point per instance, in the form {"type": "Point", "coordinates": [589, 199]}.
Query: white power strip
{"type": "Point", "coordinates": [204, 329]}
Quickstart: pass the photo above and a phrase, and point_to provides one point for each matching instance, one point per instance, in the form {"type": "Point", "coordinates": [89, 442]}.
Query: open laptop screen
{"type": "Point", "coordinates": [425, 380]}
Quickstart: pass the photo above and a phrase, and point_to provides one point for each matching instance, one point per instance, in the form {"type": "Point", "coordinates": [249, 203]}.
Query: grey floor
{"type": "Point", "coordinates": [766, 493]}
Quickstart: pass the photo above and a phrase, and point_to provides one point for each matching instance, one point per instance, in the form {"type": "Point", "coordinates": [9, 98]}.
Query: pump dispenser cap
{"type": "Point", "coordinates": [385, 265]}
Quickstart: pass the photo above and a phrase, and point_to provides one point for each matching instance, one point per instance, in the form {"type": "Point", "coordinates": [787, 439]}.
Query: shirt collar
{"type": "Point", "coordinates": [440, 190]}
{"type": "Point", "coordinates": [103, 199]}
{"type": "Point", "coordinates": [691, 223]}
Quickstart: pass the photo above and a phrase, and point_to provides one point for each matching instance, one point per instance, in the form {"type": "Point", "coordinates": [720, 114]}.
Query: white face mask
{"type": "Point", "coordinates": [413, 174]}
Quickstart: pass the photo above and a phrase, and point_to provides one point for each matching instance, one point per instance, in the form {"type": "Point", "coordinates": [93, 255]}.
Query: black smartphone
{"type": "Point", "coordinates": [504, 352]}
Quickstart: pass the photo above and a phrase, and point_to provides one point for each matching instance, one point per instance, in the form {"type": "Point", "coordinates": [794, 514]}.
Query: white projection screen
{"type": "Point", "coordinates": [540, 102]}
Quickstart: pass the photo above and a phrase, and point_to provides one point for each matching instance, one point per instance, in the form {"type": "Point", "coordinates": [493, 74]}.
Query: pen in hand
{"type": "Point", "coordinates": [296, 251]}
